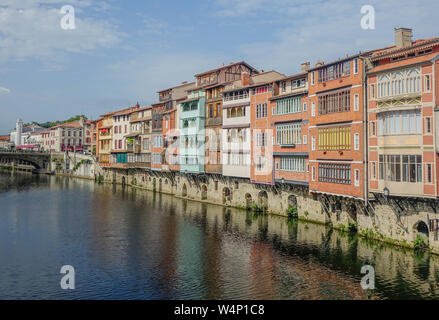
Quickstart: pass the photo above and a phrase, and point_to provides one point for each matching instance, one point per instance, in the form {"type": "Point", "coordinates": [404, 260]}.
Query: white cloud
{"type": "Point", "coordinates": [312, 30]}
{"type": "Point", "coordinates": [144, 75]}
{"type": "Point", "coordinates": [30, 29]}
{"type": "Point", "coordinates": [4, 91]}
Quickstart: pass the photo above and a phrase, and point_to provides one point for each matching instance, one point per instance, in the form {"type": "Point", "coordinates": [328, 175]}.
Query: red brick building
{"type": "Point", "coordinates": [336, 127]}
{"type": "Point", "coordinates": [289, 120]}
{"type": "Point", "coordinates": [261, 90]}
{"type": "Point", "coordinates": [403, 95]}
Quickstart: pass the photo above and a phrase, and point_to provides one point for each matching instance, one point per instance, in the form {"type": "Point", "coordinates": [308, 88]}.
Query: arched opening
{"type": "Point", "coordinates": [184, 191]}
{"type": "Point", "coordinates": [263, 200]}
{"type": "Point", "coordinates": [160, 185]}
{"type": "Point", "coordinates": [292, 201]}
{"type": "Point", "coordinates": [248, 200]}
{"type": "Point", "coordinates": [227, 195]}
{"type": "Point", "coordinates": [123, 182]}
{"type": "Point", "coordinates": [421, 228]}
{"type": "Point", "coordinates": [420, 235]}
{"type": "Point", "coordinates": [153, 184]}
{"type": "Point", "coordinates": [352, 211]}
{"type": "Point", "coordinates": [204, 192]}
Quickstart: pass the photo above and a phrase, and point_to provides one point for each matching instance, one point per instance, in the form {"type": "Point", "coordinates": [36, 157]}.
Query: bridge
{"type": "Point", "coordinates": [26, 161]}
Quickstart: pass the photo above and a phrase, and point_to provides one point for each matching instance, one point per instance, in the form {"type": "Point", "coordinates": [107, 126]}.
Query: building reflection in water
{"type": "Point", "coordinates": [134, 244]}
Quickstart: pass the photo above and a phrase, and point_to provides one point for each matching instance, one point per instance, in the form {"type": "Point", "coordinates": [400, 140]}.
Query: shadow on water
{"type": "Point", "coordinates": [132, 244]}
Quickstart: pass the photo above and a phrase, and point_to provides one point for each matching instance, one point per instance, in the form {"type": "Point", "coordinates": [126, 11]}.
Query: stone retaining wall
{"type": "Point", "coordinates": [381, 223]}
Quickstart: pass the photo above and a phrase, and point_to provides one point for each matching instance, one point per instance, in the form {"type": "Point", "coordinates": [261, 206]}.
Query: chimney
{"type": "Point", "coordinates": [305, 66]}
{"type": "Point", "coordinates": [403, 37]}
{"type": "Point", "coordinates": [81, 121]}
{"type": "Point", "coordinates": [245, 79]}
{"type": "Point", "coordinates": [320, 63]}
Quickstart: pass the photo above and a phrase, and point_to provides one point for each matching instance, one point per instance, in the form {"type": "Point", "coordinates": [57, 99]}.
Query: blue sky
{"type": "Point", "coordinates": [124, 51]}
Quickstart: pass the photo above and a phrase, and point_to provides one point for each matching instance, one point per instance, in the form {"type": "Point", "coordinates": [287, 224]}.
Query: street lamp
{"type": "Point", "coordinates": [386, 192]}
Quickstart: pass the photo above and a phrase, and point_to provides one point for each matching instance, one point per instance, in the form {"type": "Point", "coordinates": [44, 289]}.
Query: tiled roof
{"type": "Point", "coordinates": [394, 50]}
{"type": "Point", "coordinates": [225, 66]}
{"type": "Point", "coordinates": [72, 124]}
{"type": "Point", "coordinates": [405, 62]}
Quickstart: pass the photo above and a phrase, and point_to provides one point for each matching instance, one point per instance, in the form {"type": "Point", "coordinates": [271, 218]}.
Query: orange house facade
{"type": "Point", "coordinates": [289, 106]}
{"type": "Point", "coordinates": [403, 123]}
{"type": "Point", "coordinates": [336, 128]}
{"type": "Point", "coordinates": [262, 169]}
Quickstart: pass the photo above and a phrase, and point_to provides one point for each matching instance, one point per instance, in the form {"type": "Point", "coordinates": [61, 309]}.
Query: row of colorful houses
{"type": "Point", "coordinates": [357, 126]}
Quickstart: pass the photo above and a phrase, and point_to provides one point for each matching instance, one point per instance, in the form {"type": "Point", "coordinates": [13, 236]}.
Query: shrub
{"type": "Point", "coordinates": [352, 227]}
{"type": "Point", "coordinates": [292, 212]}
{"type": "Point", "coordinates": [419, 243]}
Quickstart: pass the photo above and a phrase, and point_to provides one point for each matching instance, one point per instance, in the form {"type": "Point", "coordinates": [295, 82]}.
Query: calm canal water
{"type": "Point", "coordinates": [133, 244]}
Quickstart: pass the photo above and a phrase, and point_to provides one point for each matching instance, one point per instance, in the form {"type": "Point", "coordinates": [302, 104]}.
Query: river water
{"type": "Point", "coordinates": [134, 244]}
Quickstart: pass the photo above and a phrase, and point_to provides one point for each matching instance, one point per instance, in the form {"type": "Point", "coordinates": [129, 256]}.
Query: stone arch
{"type": "Point", "coordinates": [263, 199]}
{"type": "Point", "coordinates": [184, 190]}
{"type": "Point", "coordinates": [248, 200]}
{"type": "Point", "coordinates": [204, 192]}
{"type": "Point", "coordinates": [292, 201]}
{"type": "Point", "coordinates": [154, 182]}
{"type": "Point", "coordinates": [123, 182]}
{"type": "Point", "coordinates": [352, 211]}
{"type": "Point", "coordinates": [227, 195]}
{"type": "Point", "coordinates": [421, 228]}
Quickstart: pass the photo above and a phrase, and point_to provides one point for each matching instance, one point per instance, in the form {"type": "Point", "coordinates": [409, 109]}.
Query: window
{"type": "Point", "coordinates": [236, 95]}
{"type": "Point", "coordinates": [334, 138]}
{"type": "Point", "coordinates": [335, 71]}
{"type": "Point", "coordinates": [289, 134]}
{"type": "Point", "coordinates": [260, 90]}
{"type": "Point", "coordinates": [356, 141]}
{"type": "Point", "coordinates": [356, 102]}
{"type": "Point", "coordinates": [261, 139]}
{"type": "Point", "coordinates": [397, 168]}
{"type": "Point", "coordinates": [373, 128]}
{"type": "Point", "coordinates": [357, 177]}
{"type": "Point", "coordinates": [335, 102]}
{"type": "Point", "coordinates": [335, 173]}
{"type": "Point", "coordinates": [304, 107]}
{"type": "Point", "coordinates": [261, 110]}
{"type": "Point", "coordinates": [146, 143]}
{"type": "Point", "coordinates": [288, 105]}
{"type": "Point", "coordinates": [428, 125]}
{"type": "Point", "coordinates": [304, 139]}
{"type": "Point", "coordinates": [399, 122]}
{"type": "Point", "coordinates": [313, 173]}
{"type": "Point", "coordinates": [236, 112]}
{"type": "Point", "coordinates": [372, 91]}
{"type": "Point", "coordinates": [313, 109]}
{"type": "Point", "coordinates": [260, 164]}
{"type": "Point", "coordinates": [292, 164]}
{"type": "Point", "coordinates": [356, 66]}
{"type": "Point", "coordinates": [429, 173]}
{"type": "Point", "coordinates": [427, 83]}
{"type": "Point", "coordinates": [373, 170]}
{"type": "Point", "coordinates": [399, 82]}
{"type": "Point", "coordinates": [313, 80]}
{"type": "Point", "coordinates": [298, 83]}
{"type": "Point", "coordinates": [313, 143]}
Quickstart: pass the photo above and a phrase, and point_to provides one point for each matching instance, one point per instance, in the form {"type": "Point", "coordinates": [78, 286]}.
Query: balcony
{"type": "Point", "coordinates": [165, 98]}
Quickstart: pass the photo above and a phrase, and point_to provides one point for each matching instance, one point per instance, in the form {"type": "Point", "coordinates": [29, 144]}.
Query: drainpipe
{"type": "Point", "coordinates": [433, 121]}
{"type": "Point", "coordinates": [365, 136]}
